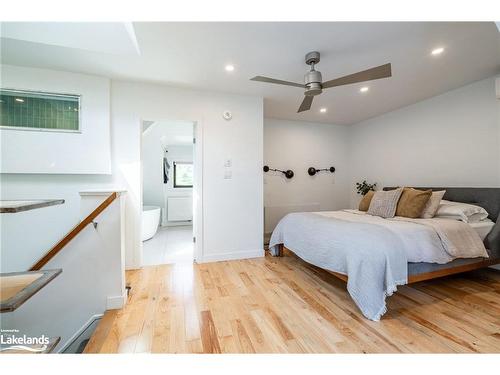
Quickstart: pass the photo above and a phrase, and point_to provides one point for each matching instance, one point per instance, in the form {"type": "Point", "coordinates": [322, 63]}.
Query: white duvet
{"type": "Point", "coordinates": [426, 240]}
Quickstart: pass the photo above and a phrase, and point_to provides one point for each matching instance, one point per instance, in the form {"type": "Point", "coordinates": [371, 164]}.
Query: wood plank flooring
{"type": "Point", "coordinates": [284, 305]}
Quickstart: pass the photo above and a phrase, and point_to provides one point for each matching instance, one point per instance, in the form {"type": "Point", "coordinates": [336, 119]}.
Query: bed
{"type": "Point", "coordinates": [374, 259]}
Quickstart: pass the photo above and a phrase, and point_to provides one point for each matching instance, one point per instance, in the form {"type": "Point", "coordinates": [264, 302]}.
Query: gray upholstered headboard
{"type": "Point", "coordinates": [488, 198]}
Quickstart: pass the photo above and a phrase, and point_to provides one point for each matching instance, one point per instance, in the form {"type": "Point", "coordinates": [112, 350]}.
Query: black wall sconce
{"type": "Point", "coordinates": [312, 171]}
{"type": "Point", "coordinates": [288, 174]}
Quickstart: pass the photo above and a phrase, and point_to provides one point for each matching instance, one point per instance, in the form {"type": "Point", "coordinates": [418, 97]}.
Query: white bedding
{"type": "Point", "coordinates": [426, 244]}
{"type": "Point", "coordinates": [482, 228]}
{"type": "Point", "coordinates": [468, 213]}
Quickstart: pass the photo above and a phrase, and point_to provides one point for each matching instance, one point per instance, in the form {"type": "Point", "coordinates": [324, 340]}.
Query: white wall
{"type": "Point", "coordinates": [26, 236]}
{"type": "Point", "coordinates": [87, 152]}
{"type": "Point", "coordinates": [299, 145]}
{"type": "Point", "coordinates": [449, 140]}
{"type": "Point", "coordinates": [232, 208]}
{"type": "Point", "coordinates": [155, 192]}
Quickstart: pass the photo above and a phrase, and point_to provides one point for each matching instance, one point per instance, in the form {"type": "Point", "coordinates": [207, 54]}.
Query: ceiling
{"type": "Point", "coordinates": [107, 37]}
{"type": "Point", "coordinates": [193, 55]}
{"type": "Point", "coordinates": [171, 133]}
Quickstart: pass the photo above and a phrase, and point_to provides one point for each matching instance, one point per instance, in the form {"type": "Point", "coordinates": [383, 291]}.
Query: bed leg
{"type": "Point", "coordinates": [280, 250]}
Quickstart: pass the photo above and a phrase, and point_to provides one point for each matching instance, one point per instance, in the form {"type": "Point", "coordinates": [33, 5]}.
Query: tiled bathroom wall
{"type": "Point", "coordinates": [39, 110]}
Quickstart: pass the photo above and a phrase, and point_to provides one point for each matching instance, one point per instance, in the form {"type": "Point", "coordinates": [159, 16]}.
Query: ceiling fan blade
{"type": "Point", "coordinates": [382, 71]}
{"type": "Point", "coordinates": [276, 81]}
{"type": "Point", "coordinates": [306, 103]}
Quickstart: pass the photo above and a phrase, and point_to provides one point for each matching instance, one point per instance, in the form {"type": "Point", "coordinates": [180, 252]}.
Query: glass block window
{"type": "Point", "coordinates": [39, 111]}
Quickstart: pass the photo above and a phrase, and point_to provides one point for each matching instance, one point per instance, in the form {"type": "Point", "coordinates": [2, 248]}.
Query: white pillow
{"type": "Point", "coordinates": [468, 213]}
{"type": "Point", "coordinates": [432, 205]}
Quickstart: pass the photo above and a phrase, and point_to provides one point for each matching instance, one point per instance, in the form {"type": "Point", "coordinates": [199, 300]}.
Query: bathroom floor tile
{"type": "Point", "coordinates": [169, 245]}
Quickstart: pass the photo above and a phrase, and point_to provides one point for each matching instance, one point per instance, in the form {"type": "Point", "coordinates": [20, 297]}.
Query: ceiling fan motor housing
{"type": "Point", "coordinates": [313, 81]}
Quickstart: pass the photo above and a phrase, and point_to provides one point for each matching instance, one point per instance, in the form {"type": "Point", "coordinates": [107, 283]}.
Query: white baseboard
{"type": "Point", "coordinates": [132, 266]}
{"type": "Point", "coordinates": [232, 256]}
{"type": "Point", "coordinates": [116, 302]}
{"type": "Point", "coordinates": [176, 223]}
{"type": "Point", "coordinates": [92, 319]}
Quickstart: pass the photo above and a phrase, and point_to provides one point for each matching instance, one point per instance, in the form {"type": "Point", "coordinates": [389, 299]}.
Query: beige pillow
{"type": "Point", "coordinates": [384, 203]}
{"type": "Point", "coordinates": [432, 205]}
{"type": "Point", "coordinates": [365, 202]}
{"type": "Point", "coordinates": [412, 202]}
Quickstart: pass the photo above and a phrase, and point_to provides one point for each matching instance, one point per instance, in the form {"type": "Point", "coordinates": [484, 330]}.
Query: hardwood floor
{"type": "Point", "coordinates": [283, 305]}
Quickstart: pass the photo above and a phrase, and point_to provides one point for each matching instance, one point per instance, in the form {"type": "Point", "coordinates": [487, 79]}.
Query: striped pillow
{"type": "Point", "coordinates": [384, 203]}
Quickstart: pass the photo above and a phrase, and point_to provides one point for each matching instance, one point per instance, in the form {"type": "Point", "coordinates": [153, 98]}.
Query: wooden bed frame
{"type": "Point", "coordinates": [421, 276]}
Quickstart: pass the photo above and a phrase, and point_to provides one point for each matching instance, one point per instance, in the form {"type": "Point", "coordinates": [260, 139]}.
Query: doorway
{"type": "Point", "coordinates": [169, 192]}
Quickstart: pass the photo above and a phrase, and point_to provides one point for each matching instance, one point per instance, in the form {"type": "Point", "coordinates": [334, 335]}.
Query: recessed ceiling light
{"type": "Point", "coordinates": [364, 89]}
{"type": "Point", "coordinates": [322, 110]}
{"type": "Point", "coordinates": [229, 68]}
{"type": "Point", "coordinates": [437, 51]}
{"type": "Point", "coordinates": [19, 100]}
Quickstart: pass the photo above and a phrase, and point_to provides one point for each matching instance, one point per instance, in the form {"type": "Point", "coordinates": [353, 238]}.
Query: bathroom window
{"type": "Point", "coordinates": [183, 175]}
{"type": "Point", "coordinates": [30, 110]}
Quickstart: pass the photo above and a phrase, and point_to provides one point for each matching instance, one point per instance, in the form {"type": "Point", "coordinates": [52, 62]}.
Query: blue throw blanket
{"type": "Point", "coordinates": [372, 256]}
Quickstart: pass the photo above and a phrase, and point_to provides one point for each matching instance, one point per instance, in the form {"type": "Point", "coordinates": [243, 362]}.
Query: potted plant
{"type": "Point", "coordinates": [364, 187]}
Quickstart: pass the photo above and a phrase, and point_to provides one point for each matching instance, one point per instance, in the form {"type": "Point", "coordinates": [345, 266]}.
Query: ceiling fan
{"type": "Point", "coordinates": [314, 85]}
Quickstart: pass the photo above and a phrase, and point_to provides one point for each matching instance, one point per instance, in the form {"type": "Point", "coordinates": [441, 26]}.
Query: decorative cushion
{"type": "Point", "coordinates": [384, 203]}
{"type": "Point", "coordinates": [432, 205]}
{"type": "Point", "coordinates": [365, 202]}
{"type": "Point", "coordinates": [412, 202]}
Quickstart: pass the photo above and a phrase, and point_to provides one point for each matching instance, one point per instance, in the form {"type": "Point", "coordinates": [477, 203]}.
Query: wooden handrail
{"type": "Point", "coordinates": [73, 233]}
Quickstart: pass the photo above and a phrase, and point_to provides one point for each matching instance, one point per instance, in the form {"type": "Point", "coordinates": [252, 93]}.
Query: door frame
{"type": "Point", "coordinates": [197, 192]}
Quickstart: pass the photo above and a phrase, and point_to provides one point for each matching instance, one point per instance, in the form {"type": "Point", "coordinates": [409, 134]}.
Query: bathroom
{"type": "Point", "coordinates": [168, 174]}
